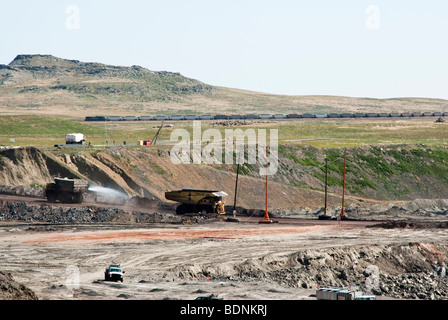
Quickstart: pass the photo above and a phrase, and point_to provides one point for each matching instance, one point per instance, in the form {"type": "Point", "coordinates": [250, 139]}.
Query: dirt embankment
{"type": "Point", "coordinates": [374, 174]}
{"type": "Point", "coordinates": [145, 173]}
{"type": "Point", "coordinates": [412, 271]}
{"type": "Point", "coordinates": [12, 290]}
{"type": "Point", "coordinates": [30, 166]}
{"type": "Point", "coordinates": [383, 172]}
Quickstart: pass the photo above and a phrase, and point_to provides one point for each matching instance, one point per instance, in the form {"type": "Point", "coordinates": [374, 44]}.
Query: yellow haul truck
{"type": "Point", "coordinates": [203, 201]}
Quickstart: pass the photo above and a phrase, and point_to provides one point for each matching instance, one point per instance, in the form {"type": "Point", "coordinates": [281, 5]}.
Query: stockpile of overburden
{"type": "Point", "coordinates": [23, 211]}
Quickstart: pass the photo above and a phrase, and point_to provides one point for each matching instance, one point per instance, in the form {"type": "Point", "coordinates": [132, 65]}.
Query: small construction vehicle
{"type": "Point", "coordinates": [209, 297]}
{"type": "Point", "coordinates": [198, 201]}
{"type": "Point", "coordinates": [113, 273]}
{"type": "Point", "coordinates": [66, 190]}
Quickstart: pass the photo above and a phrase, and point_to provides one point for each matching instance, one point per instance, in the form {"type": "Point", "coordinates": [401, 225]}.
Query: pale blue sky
{"type": "Point", "coordinates": [321, 47]}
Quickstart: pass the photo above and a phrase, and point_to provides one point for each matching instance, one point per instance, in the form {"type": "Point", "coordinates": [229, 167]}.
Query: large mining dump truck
{"type": "Point", "coordinates": [66, 190]}
{"type": "Point", "coordinates": [198, 201]}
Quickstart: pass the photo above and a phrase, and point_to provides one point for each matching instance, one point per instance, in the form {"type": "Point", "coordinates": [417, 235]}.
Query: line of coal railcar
{"type": "Point", "coordinates": [268, 116]}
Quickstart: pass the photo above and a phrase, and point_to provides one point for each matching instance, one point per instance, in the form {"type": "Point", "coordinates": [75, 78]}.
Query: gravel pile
{"type": "Point", "coordinates": [22, 191]}
{"type": "Point", "coordinates": [428, 286]}
{"type": "Point", "coordinates": [22, 211]}
{"type": "Point", "coordinates": [436, 208]}
{"type": "Point", "coordinates": [408, 271]}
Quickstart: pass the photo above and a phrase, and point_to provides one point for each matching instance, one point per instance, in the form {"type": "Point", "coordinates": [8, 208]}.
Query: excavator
{"type": "Point", "coordinates": [198, 201]}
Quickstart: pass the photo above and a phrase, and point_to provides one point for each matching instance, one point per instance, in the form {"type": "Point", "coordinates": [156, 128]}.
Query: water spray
{"type": "Point", "coordinates": [105, 194]}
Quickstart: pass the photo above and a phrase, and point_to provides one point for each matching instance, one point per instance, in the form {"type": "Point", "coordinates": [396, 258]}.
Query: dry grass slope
{"type": "Point", "coordinates": [43, 84]}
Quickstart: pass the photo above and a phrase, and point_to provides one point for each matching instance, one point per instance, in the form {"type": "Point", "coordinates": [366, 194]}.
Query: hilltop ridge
{"type": "Point", "coordinates": [40, 60]}
{"type": "Point", "coordinates": [45, 84]}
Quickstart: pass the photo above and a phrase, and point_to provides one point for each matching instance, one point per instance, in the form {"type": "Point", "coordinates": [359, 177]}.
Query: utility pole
{"type": "Point", "coordinates": [266, 218]}
{"type": "Point", "coordinates": [153, 142]}
{"type": "Point", "coordinates": [236, 188]}
{"type": "Point", "coordinates": [324, 216]}
{"type": "Point", "coordinates": [343, 215]}
{"type": "Point", "coordinates": [326, 184]}
{"type": "Point", "coordinates": [105, 129]}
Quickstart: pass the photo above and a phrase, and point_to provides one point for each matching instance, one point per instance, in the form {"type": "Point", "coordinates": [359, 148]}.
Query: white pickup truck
{"type": "Point", "coordinates": [113, 273]}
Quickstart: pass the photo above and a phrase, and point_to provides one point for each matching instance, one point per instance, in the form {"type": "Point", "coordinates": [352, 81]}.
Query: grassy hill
{"type": "Point", "coordinates": [44, 84]}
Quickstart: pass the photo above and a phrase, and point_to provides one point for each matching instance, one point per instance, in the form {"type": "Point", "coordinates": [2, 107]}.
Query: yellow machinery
{"type": "Point", "coordinates": [203, 201]}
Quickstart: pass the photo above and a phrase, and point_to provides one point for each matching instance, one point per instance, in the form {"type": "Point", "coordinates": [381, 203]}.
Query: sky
{"type": "Point", "coordinates": [356, 48]}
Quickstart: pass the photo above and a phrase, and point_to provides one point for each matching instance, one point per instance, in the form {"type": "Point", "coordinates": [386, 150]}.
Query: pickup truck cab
{"type": "Point", "coordinates": [113, 273]}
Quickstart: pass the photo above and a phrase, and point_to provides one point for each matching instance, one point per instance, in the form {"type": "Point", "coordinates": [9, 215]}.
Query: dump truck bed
{"type": "Point", "coordinates": [191, 196]}
{"type": "Point", "coordinates": [71, 185]}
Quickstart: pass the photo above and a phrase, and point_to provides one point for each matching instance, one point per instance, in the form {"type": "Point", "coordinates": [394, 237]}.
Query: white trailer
{"type": "Point", "coordinates": [75, 138]}
{"type": "Point", "coordinates": [344, 293]}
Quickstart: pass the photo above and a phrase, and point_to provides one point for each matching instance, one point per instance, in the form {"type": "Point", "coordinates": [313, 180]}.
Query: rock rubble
{"type": "Point", "coordinates": [22, 211]}
{"type": "Point", "coordinates": [408, 271]}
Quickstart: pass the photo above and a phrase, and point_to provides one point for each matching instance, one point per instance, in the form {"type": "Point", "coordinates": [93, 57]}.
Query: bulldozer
{"type": "Point", "coordinates": [202, 201]}
{"type": "Point", "coordinates": [66, 190]}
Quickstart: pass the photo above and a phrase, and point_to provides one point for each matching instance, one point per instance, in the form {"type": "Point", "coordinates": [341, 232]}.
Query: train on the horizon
{"type": "Point", "coordinates": [268, 116]}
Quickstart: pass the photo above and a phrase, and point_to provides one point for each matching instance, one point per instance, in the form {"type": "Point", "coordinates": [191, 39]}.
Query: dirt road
{"type": "Point", "coordinates": [183, 259]}
{"type": "Point", "coordinates": [180, 262]}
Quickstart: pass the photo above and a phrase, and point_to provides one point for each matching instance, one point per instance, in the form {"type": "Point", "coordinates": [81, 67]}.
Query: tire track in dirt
{"type": "Point", "coordinates": [168, 234]}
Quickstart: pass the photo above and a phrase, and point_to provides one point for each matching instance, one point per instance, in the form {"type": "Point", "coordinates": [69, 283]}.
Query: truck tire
{"type": "Point", "coordinates": [182, 209]}
{"type": "Point", "coordinates": [67, 197]}
{"type": "Point", "coordinates": [52, 196]}
{"type": "Point", "coordinates": [78, 198]}
{"type": "Point", "coordinates": [205, 209]}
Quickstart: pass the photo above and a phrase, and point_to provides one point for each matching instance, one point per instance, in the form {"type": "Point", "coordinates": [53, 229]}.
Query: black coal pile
{"type": "Point", "coordinates": [22, 211]}
{"type": "Point", "coordinates": [22, 191]}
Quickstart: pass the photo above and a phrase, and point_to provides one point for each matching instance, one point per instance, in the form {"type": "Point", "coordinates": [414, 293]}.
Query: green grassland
{"type": "Point", "coordinates": [401, 171]}
{"type": "Point", "coordinates": [49, 130]}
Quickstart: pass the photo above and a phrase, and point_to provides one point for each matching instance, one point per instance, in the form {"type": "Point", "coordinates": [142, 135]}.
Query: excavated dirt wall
{"type": "Point", "coordinates": [410, 271]}
{"type": "Point", "coordinates": [146, 173]}
{"type": "Point", "coordinates": [10, 289]}
{"type": "Point", "coordinates": [374, 173]}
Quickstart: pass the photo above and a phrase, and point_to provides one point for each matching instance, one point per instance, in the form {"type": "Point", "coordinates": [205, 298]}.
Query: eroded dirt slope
{"type": "Point", "coordinates": [10, 289]}
{"type": "Point", "coordinates": [388, 173]}
{"type": "Point", "coordinates": [146, 173]}
{"type": "Point", "coordinates": [414, 270]}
